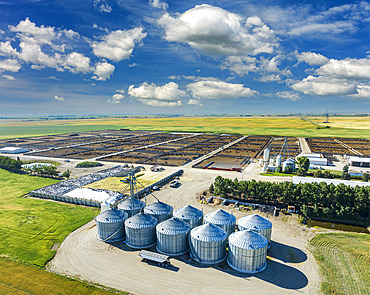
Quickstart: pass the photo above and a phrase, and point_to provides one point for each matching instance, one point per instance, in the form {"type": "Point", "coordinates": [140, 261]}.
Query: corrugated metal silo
{"type": "Point", "coordinates": [208, 243]}
{"type": "Point", "coordinates": [131, 206]}
{"type": "Point", "coordinates": [159, 210]}
{"type": "Point", "coordinates": [172, 236]}
{"type": "Point", "coordinates": [247, 251]}
{"type": "Point", "coordinates": [222, 219]}
{"type": "Point", "coordinates": [190, 214]}
{"type": "Point", "coordinates": [258, 224]}
{"type": "Point", "coordinates": [140, 231]}
{"type": "Point", "coordinates": [111, 225]}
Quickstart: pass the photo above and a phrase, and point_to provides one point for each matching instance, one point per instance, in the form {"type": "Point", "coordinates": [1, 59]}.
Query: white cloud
{"type": "Point", "coordinates": [195, 102]}
{"type": "Point", "coordinates": [71, 34]}
{"type": "Point", "coordinates": [289, 95]}
{"type": "Point", "coordinates": [103, 71]}
{"type": "Point", "coordinates": [158, 4]}
{"type": "Point", "coordinates": [161, 96]}
{"type": "Point", "coordinates": [218, 90]}
{"type": "Point", "coordinates": [9, 65]}
{"type": "Point", "coordinates": [102, 6]}
{"type": "Point", "coordinates": [59, 98]}
{"type": "Point", "coordinates": [7, 49]}
{"type": "Point", "coordinates": [269, 78]}
{"type": "Point", "coordinates": [356, 69]}
{"type": "Point", "coordinates": [312, 58]}
{"type": "Point", "coordinates": [241, 65]}
{"type": "Point", "coordinates": [30, 33]}
{"type": "Point", "coordinates": [217, 31]}
{"type": "Point", "coordinates": [322, 86]}
{"type": "Point", "coordinates": [8, 77]}
{"type": "Point", "coordinates": [118, 45]}
{"type": "Point", "coordinates": [77, 63]}
{"type": "Point", "coordinates": [117, 97]}
{"type": "Point", "coordinates": [363, 92]}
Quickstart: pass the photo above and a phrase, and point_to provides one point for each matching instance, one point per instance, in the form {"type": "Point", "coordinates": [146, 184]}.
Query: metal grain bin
{"type": "Point", "coordinates": [159, 210]}
{"type": "Point", "coordinates": [191, 215]}
{"type": "Point", "coordinates": [208, 244]}
{"type": "Point", "coordinates": [173, 236]}
{"type": "Point", "coordinates": [258, 224]}
{"type": "Point", "coordinates": [140, 231]}
{"type": "Point", "coordinates": [247, 251]}
{"type": "Point", "coordinates": [222, 219]}
{"type": "Point", "coordinates": [111, 225]}
{"type": "Point", "coordinates": [131, 206]}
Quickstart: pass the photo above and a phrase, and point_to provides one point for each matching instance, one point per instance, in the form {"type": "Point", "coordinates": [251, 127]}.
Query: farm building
{"type": "Point", "coordinates": [300, 179]}
{"type": "Point", "coordinates": [316, 159]}
{"type": "Point", "coordinates": [358, 161]}
{"type": "Point", "coordinates": [13, 150]}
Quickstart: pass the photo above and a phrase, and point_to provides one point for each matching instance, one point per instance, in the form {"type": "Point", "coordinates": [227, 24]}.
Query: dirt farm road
{"type": "Point", "coordinates": [291, 268]}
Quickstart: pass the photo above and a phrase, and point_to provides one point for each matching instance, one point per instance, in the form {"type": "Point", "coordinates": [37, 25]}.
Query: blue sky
{"type": "Point", "coordinates": [183, 57]}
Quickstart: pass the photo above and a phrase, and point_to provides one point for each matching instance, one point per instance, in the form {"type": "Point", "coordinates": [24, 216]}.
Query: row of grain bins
{"type": "Point", "coordinates": [175, 233]}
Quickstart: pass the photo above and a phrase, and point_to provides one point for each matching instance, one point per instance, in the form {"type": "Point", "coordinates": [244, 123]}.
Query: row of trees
{"type": "Point", "coordinates": [320, 199]}
{"type": "Point", "coordinates": [10, 164]}
{"type": "Point", "coordinates": [47, 170]}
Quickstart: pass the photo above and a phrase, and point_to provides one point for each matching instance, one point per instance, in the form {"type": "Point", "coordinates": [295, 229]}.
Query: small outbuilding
{"type": "Point", "coordinates": [13, 150]}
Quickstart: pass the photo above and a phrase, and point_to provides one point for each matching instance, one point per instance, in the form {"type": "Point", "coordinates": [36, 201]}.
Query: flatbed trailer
{"type": "Point", "coordinates": [161, 259]}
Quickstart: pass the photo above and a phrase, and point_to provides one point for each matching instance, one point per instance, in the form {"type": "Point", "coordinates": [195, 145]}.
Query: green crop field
{"type": "Point", "coordinates": [358, 127]}
{"type": "Point", "coordinates": [29, 228]}
{"type": "Point", "coordinates": [344, 260]}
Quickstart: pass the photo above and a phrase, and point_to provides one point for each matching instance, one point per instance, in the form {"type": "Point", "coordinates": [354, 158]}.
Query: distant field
{"type": "Point", "coordinates": [344, 260]}
{"type": "Point", "coordinates": [29, 227]}
{"type": "Point", "coordinates": [280, 126]}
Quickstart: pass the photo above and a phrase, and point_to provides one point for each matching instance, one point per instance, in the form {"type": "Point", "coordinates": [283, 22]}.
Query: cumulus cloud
{"type": "Point", "coordinates": [268, 68]}
{"type": "Point", "coordinates": [150, 94]}
{"type": "Point", "coordinates": [217, 31]}
{"type": "Point", "coordinates": [195, 102]}
{"type": "Point", "coordinates": [289, 95]}
{"type": "Point", "coordinates": [218, 90]}
{"type": "Point", "coordinates": [59, 98]}
{"type": "Point", "coordinates": [102, 6]}
{"type": "Point", "coordinates": [9, 65]}
{"type": "Point", "coordinates": [30, 33]}
{"type": "Point", "coordinates": [117, 97]}
{"type": "Point", "coordinates": [312, 58]}
{"type": "Point", "coordinates": [363, 92]}
{"type": "Point", "coordinates": [118, 45]}
{"type": "Point", "coordinates": [77, 63]}
{"type": "Point", "coordinates": [158, 4]}
{"type": "Point", "coordinates": [353, 69]}
{"type": "Point", "coordinates": [103, 71]}
{"type": "Point", "coordinates": [8, 77]}
{"type": "Point", "coordinates": [322, 86]}
{"type": "Point", "coordinates": [6, 49]}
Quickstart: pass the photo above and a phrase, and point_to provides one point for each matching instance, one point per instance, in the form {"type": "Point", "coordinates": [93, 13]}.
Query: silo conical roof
{"type": "Point", "coordinates": [255, 222]}
{"type": "Point", "coordinates": [158, 208]}
{"type": "Point", "coordinates": [111, 215]}
{"type": "Point", "coordinates": [247, 239]}
{"type": "Point", "coordinates": [141, 220]}
{"type": "Point", "coordinates": [188, 212]}
{"type": "Point", "coordinates": [131, 203]}
{"type": "Point", "coordinates": [208, 233]}
{"type": "Point", "coordinates": [220, 217]}
{"type": "Point", "coordinates": [173, 226]}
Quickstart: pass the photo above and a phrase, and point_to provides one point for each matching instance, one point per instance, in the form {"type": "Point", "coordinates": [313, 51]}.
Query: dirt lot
{"type": "Point", "coordinates": [291, 268]}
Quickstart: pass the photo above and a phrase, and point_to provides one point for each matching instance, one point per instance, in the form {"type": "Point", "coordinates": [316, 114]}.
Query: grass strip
{"type": "Point", "coordinates": [344, 260]}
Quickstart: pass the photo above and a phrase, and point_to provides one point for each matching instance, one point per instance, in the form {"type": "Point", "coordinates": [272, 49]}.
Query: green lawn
{"type": "Point", "coordinates": [30, 227]}
{"type": "Point", "coordinates": [344, 261]}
